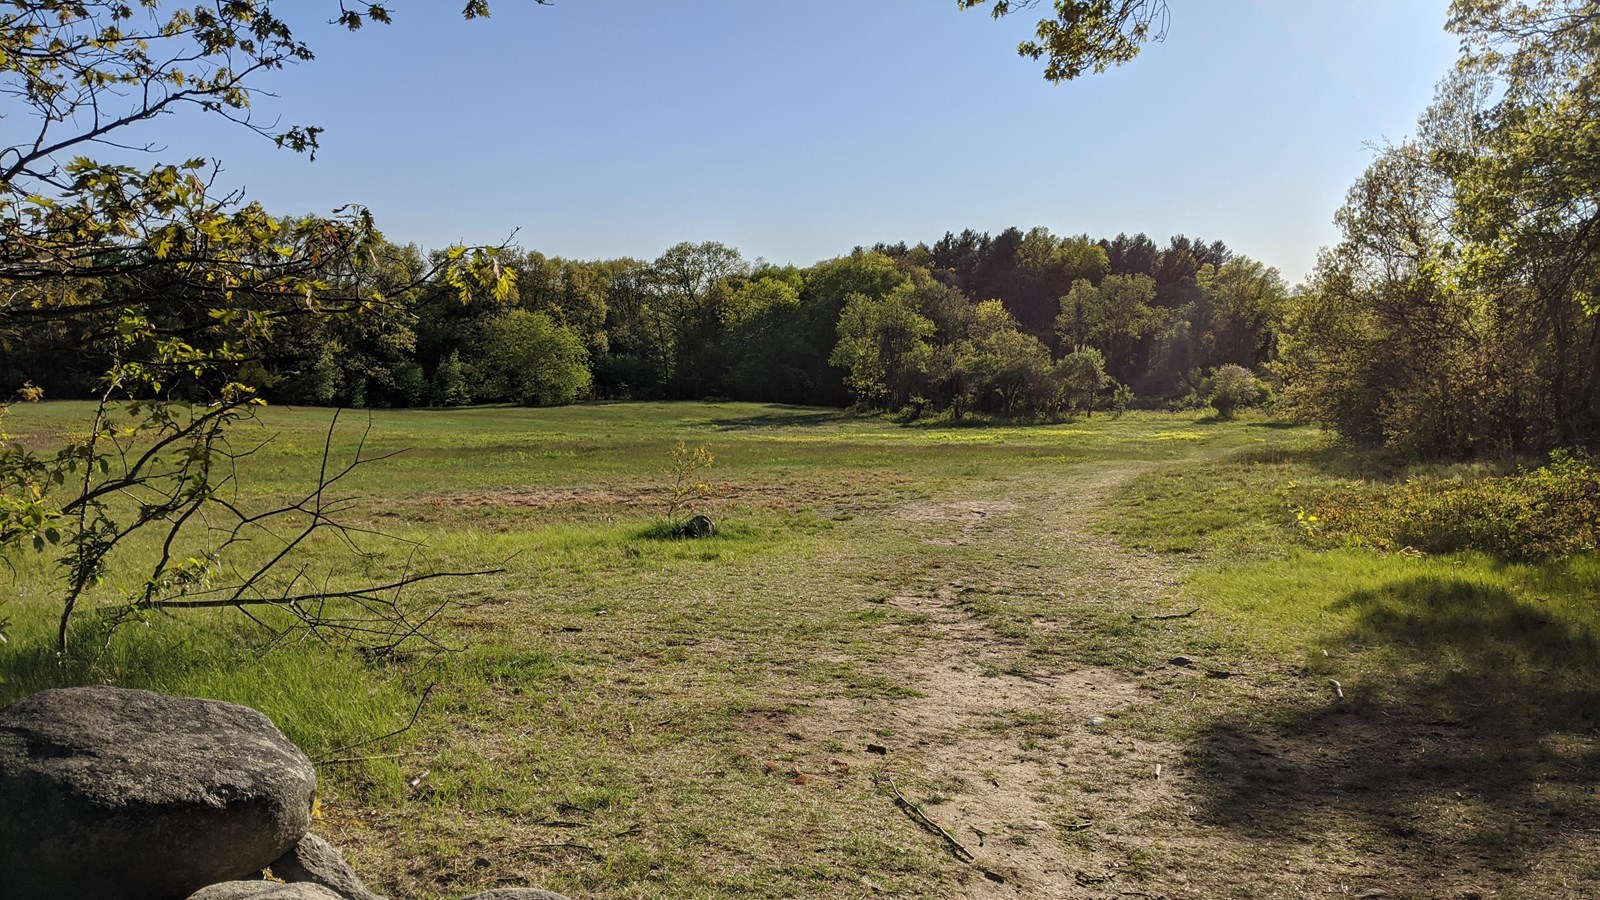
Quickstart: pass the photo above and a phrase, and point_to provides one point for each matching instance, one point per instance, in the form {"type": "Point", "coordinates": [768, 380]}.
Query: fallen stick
{"type": "Point", "coordinates": [958, 849]}
{"type": "Point", "coordinates": [1165, 616]}
{"type": "Point", "coordinates": [356, 759]}
{"type": "Point", "coordinates": [564, 845]}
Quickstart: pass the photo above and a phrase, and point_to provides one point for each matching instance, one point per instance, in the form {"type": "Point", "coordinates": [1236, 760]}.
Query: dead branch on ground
{"type": "Point", "coordinates": [958, 849]}
{"type": "Point", "coordinates": [1166, 616]}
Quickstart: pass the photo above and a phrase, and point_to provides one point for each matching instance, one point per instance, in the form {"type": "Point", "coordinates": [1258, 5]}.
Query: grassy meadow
{"type": "Point", "coordinates": [1109, 657]}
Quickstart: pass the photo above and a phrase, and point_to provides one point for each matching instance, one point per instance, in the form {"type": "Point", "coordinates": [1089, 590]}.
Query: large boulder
{"type": "Point", "coordinates": [120, 794]}
{"type": "Point", "coordinates": [315, 861]}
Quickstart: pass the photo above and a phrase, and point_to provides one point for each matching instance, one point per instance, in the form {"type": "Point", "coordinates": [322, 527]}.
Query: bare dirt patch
{"type": "Point", "coordinates": [608, 501]}
{"type": "Point", "coordinates": [959, 521]}
{"type": "Point", "coordinates": [1025, 766]}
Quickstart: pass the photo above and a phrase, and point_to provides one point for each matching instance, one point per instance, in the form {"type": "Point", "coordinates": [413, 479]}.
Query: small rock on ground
{"type": "Point", "coordinates": [263, 890]}
{"type": "Point", "coordinates": [315, 861]}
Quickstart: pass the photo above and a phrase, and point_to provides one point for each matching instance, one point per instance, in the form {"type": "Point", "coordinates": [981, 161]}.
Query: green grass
{"type": "Point", "coordinates": [1281, 590]}
{"type": "Point", "coordinates": [1411, 702]}
{"type": "Point", "coordinates": [625, 714]}
{"type": "Point", "coordinates": [322, 699]}
{"type": "Point", "coordinates": [629, 442]}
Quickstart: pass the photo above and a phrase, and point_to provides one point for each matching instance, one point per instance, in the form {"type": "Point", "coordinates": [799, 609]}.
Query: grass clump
{"type": "Point", "coordinates": [321, 697]}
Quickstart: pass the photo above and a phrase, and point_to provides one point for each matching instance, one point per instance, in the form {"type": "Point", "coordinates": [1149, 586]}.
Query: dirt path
{"type": "Point", "coordinates": [1152, 774]}
{"type": "Point", "coordinates": [1018, 757]}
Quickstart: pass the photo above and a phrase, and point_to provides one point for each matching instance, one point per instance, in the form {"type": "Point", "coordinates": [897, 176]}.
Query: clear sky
{"type": "Point", "coordinates": [798, 129]}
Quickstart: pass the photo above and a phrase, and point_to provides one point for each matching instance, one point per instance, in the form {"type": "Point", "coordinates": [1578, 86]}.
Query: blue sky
{"type": "Point", "coordinates": [795, 130]}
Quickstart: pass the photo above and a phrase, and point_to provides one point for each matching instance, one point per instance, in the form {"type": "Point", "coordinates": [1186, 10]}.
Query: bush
{"type": "Point", "coordinates": [912, 411]}
{"type": "Point", "coordinates": [1077, 378]}
{"type": "Point", "coordinates": [1119, 398]}
{"type": "Point", "coordinates": [1545, 513]}
{"type": "Point", "coordinates": [1232, 387]}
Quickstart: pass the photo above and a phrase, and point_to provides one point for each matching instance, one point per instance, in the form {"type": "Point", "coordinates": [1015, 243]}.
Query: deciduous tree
{"type": "Point", "coordinates": [175, 281]}
{"type": "Point", "coordinates": [1086, 35]}
{"type": "Point", "coordinates": [885, 345]}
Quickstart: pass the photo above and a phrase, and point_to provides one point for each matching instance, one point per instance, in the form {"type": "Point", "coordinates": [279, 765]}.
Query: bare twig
{"type": "Point", "coordinates": [561, 823]}
{"type": "Point", "coordinates": [1166, 616]}
{"type": "Point", "coordinates": [565, 845]}
{"type": "Point", "coordinates": [290, 600]}
{"type": "Point", "coordinates": [421, 701]}
{"type": "Point", "coordinates": [958, 849]}
{"type": "Point", "coordinates": [356, 759]}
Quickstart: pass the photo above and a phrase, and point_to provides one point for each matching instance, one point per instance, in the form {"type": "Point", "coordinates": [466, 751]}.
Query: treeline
{"type": "Point", "coordinates": [1459, 316]}
{"type": "Point", "coordinates": [1016, 324]}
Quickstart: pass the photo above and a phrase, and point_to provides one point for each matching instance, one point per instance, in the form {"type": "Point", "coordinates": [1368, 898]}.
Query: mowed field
{"type": "Point", "coordinates": [1103, 657]}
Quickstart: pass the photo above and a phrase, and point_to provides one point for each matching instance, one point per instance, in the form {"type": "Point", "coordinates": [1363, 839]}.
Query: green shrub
{"type": "Point", "coordinates": [1232, 387]}
{"type": "Point", "coordinates": [1545, 513]}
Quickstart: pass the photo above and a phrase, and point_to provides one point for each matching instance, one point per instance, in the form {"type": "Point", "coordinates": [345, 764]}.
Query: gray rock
{"type": "Point", "coordinates": [697, 527]}
{"type": "Point", "coordinates": [119, 794]}
{"type": "Point", "coordinates": [263, 890]}
{"type": "Point", "coordinates": [316, 861]}
{"type": "Point", "coordinates": [517, 894]}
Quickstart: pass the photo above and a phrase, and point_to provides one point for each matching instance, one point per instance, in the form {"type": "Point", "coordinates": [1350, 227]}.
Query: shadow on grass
{"type": "Point", "coordinates": [664, 530]}
{"type": "Point", "coordinates": [1338, 460]}
{"type": "Point", "coordinates": [782, 416]}
{"type": "Point", "coordinates": [778, 416]}
{"type": "Point", "coordinates": [1470, 735]}
{"type": "Point", "coordinates": [30, 668]}
{"type": "Point", "coordinates": [973, 421]}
